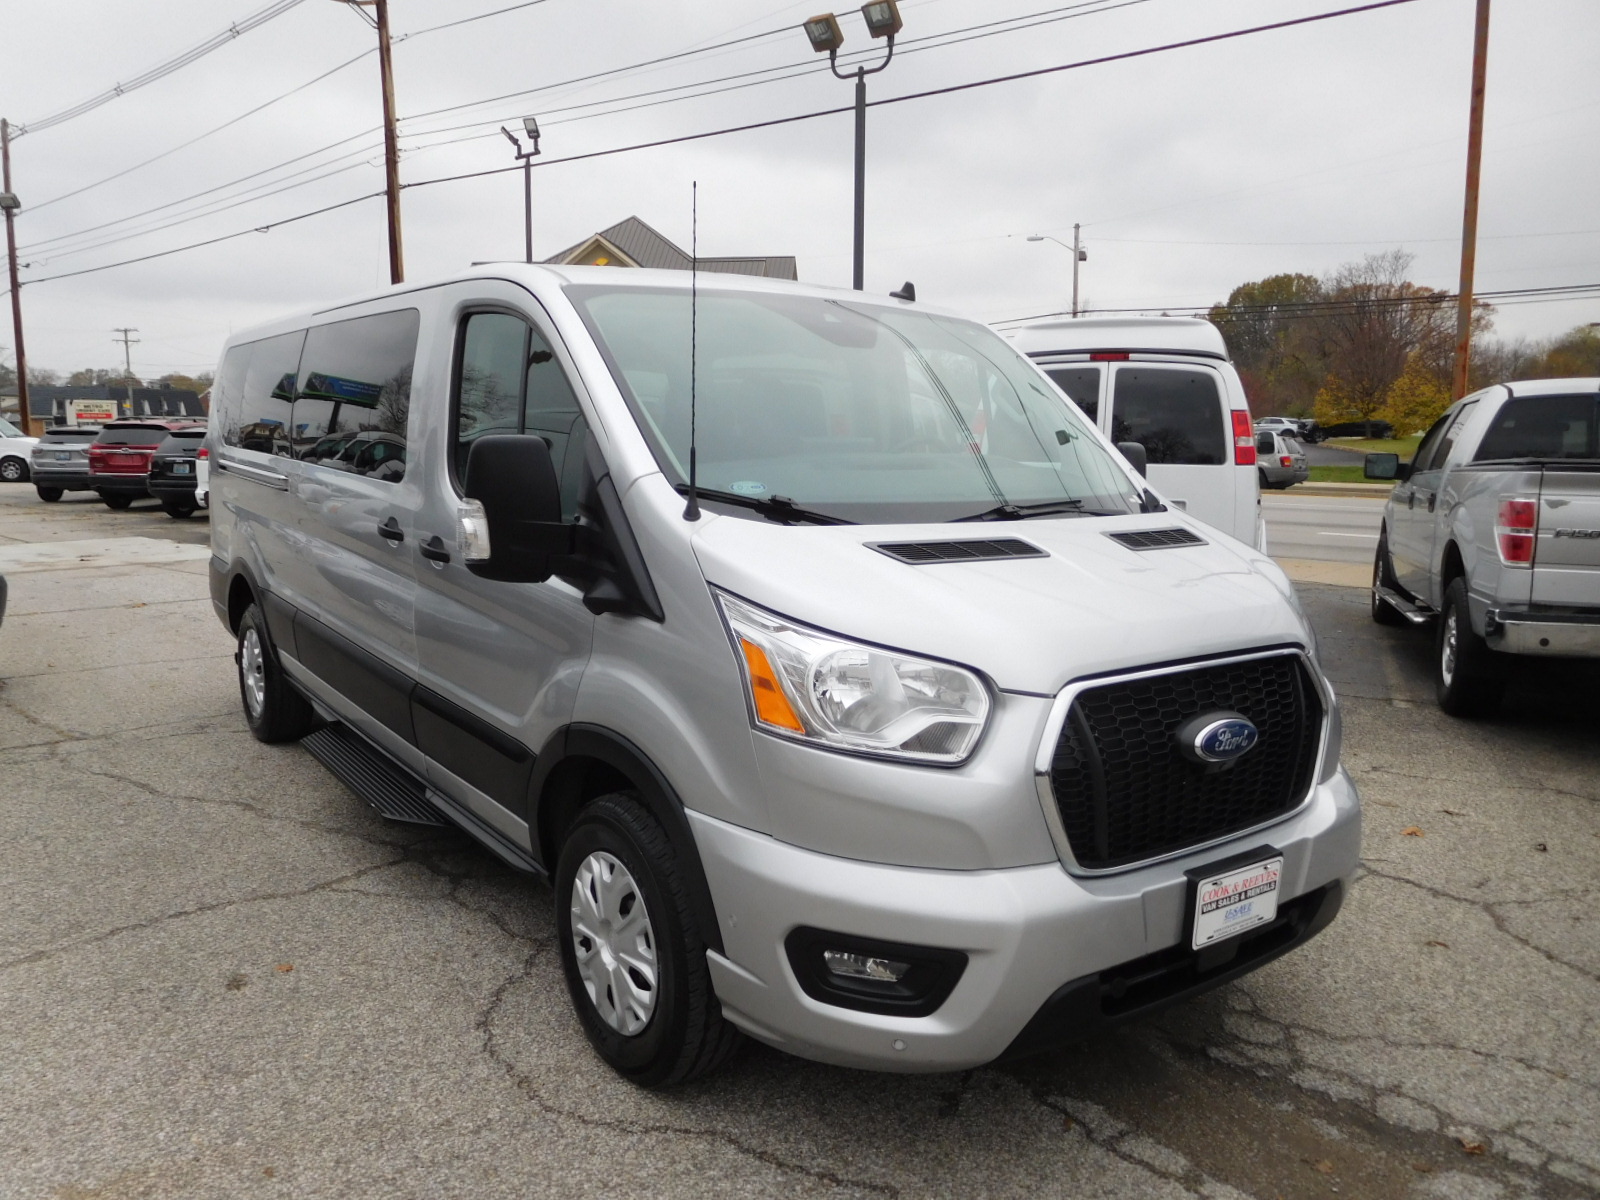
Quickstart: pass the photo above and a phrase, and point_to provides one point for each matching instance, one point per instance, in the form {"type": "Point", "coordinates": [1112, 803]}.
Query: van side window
{"type": "Point", "coordinates": [266, 408]}
{"type": "Point", "coordinates": [1082, 386]}
{"type": "Point", "coordinates": [354, 400]}
{"type": "Point", "coordinates": [1175, 413]}
{"type": "Point", "coordinates": [227, 393]}
{"type": "Point", "coordinates": [511, 382]}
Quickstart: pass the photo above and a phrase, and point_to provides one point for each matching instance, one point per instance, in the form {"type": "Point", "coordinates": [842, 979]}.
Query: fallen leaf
{"type": "Point", "coordinates": [1412, 831]}
{"type": "Point", "coordinates": [1446, 945]}
{"type": "Point", "coordinates": [285, 966]}
{"type": "Point", "coordinates": [1422, 1168]}
{"type": "Point", "coordinates": [268, 1172]}
{"type": "Point", "coordinates": [137, 604]}
{"type": "Point", "coordinates": [1541, 848]}
{"type": "Point", "coordinates": [1473, 1147]}
{"type": "Point", "coordinates": [237, 981]}
{"type": "Point", "coordinates": [1450, 812]}
{"type": "Point", "coordinates": [1066, 1123]}
{"type": "Point", "coordinates": [1324, 1166]}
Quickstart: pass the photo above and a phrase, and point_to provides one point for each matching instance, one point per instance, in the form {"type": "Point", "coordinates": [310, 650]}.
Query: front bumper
{"type": "Point", "coordinates": [1573, 634]}
{"type": "Point", "coordinates": [1031, 935]}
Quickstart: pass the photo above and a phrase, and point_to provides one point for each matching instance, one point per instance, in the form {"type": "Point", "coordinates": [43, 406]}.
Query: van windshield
{"type": "Point", "coordinates": [859, 411]}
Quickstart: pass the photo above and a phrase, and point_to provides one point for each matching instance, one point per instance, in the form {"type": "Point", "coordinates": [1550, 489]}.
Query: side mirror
{"type": "Point", "coordinates": [1134, 453]}
{"type": "Point", "coordinates": [1385, 466]}
{"type": "Point", "coordinates": [513, 480]}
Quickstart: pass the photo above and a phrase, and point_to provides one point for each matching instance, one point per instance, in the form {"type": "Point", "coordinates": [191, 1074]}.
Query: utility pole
{"type": "Point", "coordinates": [391, 148]}
{"type": "Point", "coordinates": [128, 342]}
{"type": "Point", "coordinates": [1077, 257]}
{"type": "Point", "coordinates": [1469, 220]}
{"type": "Point", "coordinates": [9, 202]}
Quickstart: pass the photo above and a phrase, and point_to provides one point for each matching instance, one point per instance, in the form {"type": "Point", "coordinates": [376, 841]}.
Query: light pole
{"type": "Point", "coordinates": [531, 128]}
{"type": "Point", "coordinates": [883, 21]}
{"type": "Point", "coordinates": [1079, 255]}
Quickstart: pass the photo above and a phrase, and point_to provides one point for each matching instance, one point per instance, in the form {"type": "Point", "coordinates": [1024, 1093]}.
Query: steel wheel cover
{"type": "Point", "coordinates": [253, 672]}
{"type": "Point", "coordinates": [614, 943]}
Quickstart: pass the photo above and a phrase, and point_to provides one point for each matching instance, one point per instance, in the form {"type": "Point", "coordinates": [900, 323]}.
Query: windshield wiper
{"type": "Point", "coordinates": [774, 508]}
{"type": "Point", "coordinates": [1021, 512]}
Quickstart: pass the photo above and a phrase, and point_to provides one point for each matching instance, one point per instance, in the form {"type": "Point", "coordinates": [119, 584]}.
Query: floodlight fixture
{"type": "Point", "coordinates": [530, 125]}
{"type": "Point", "coordinates": [882, 18]}
{"type": "Point", "coordinates": [9, 202]}
{"type": "Point", "coordinates": [825, 34]}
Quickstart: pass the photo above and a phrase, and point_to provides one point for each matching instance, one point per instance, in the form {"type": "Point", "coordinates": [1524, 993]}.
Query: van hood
{"type": "Point", "coordinates": [1090, 605]}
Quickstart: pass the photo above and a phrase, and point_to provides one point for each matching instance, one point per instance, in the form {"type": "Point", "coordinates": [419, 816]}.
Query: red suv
{"type": "Point", "coordinates": [119, 459]}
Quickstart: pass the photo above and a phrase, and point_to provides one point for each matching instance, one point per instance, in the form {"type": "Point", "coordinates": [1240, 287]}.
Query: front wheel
{"type": "Point", "coordinates": [631, 951]}
{"type": "Point", "coordinates": [1469, 677]}
{"type": "Point", "coordinates": [13, 470]}
{"type": "Point", "coordinates": [49, 494]}
{"type": "Point", "coordinates": [273, 709]}
{"type": "Point", "coordinates": [1383, 577]}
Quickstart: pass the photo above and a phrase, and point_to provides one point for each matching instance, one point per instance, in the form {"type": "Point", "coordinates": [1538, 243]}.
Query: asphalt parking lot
{"type": "Point", "coordinates": [221, 974]}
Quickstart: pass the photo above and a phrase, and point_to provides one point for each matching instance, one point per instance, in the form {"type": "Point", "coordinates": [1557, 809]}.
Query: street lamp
{"type": "Point", "coordinates": [883, 21]}
{"type": "Point", "coordinates": [531, 127]}
{"type": "Point", "coordinates": [1079, 254]}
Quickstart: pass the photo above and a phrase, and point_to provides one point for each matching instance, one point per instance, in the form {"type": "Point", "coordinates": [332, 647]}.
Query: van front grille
{"type": "Point", "coordinates": [1126, 793]}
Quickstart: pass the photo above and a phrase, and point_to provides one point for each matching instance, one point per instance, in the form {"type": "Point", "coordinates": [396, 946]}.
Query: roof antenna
{"type": "Point", "coordinates": [691, 510]}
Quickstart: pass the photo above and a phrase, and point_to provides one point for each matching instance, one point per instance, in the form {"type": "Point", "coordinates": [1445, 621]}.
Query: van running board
{"type": "Point", "coordinates": [377, 779]}
{"type": "Point", "coordinates": [1406, 607]}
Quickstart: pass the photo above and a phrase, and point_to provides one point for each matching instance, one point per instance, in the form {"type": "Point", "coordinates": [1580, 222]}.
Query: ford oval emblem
{"type": "Point", "coordinates": [1217, 738]}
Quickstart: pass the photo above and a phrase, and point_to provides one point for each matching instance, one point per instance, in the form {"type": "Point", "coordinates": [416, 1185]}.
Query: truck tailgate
{"type": "Point", "coordinates": [1566, 562]}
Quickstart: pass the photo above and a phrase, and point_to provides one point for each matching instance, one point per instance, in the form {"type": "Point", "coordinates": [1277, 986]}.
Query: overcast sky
{"type": "Point", "coordinates": [1191, 171]}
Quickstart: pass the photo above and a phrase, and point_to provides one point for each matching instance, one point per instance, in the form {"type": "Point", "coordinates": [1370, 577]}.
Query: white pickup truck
{"type": "Point", "coordinates": [1493, 528]}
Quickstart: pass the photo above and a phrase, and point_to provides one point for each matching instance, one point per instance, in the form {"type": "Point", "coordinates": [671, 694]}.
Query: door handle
{"type": "Point", "coordinates": [433, 550]}
{"type": "Point", "coordinates": [390, 531]}
{"type": "Point", "coordinates": [1411, 499]}
{"type": "Point", "coordinates": [1433, 499]}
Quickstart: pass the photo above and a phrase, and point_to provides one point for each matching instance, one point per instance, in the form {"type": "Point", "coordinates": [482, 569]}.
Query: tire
{"type": "Point", "coordinates": [273, 709]}
{"type": "Point", "coordinates": [49, 494]}
{"type": "Point", "coordinates": [668, 1028]}
{"type": "Point", "coordinates": [1383, 612]}
{"type": "Point", "coordinates": [1469, 677]}
{"type": "Point", "coordinates": [117, 503]}
{"type": "Point", "coordinates": [13, 470]}
{"type": "Point", "coordinates": [178, 510]}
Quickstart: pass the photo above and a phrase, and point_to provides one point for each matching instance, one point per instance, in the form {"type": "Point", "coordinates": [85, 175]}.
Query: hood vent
{"type": "Point", "coordinates": [918, 553]}
{"type": "Point", "coordinates": [1157, 539]}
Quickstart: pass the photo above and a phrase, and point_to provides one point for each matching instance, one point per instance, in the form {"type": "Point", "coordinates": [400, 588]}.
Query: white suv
{"type": "Point", "coordinates": [15, 446]}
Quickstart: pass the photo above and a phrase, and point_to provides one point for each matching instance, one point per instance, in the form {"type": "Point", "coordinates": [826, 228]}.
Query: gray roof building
{"type": "Point", "coordinates": [632, 243]}
{"type": "Point", "coordinates": [48, 402]}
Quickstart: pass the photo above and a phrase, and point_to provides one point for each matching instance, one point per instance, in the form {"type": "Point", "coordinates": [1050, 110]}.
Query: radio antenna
{"type": "Point", "coordinates": [691, 510]}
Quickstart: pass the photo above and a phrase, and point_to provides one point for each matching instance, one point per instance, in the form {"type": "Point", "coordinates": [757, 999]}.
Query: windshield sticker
{"type": "Point", "coordinates": [747, 487]}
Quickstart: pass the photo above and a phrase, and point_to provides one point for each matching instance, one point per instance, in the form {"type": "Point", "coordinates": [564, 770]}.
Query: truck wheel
{"type": "Point", "coordinates": [1383, 576]}
{"type": "Point", "coordinates": [273, 709]}
{"type": "Point", "coordinates": [13, 470]}
{"type": "Point", "coordinates": [50, 495]}
{"type": "Point", "coordinates": [178, 510]}
{"type": "Point", "coordinates": [1469, 679]}
{"type": "Point", "coordinates": [631, 951]}
{"type": "Point", "coordinates": [117, 503]}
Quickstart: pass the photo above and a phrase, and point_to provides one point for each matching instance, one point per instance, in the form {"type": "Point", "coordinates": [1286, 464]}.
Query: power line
{"type": "Point", "coordinates": [774, 122]}
{"type": "Point", "coordinates": [215, 42]}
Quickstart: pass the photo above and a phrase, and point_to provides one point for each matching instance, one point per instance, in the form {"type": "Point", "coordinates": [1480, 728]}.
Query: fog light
{"type": "Point", "coordinates": [862, 966]}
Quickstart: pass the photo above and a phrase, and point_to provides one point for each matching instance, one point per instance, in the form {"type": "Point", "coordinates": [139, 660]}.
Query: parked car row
{"type": "Point", "coordinates": [124, 461]}
{"type": "Point", "coordinates": [1302, 429]}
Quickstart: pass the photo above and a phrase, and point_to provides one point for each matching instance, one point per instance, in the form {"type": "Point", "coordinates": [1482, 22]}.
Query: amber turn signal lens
{"type": "Point", "coordinates": [772, 706]}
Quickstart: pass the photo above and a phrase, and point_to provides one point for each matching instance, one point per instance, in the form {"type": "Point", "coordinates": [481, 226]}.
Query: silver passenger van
{"type": "Point", "coordinates": [846, 686]}
{"type": "Point", "coordinates": [1165, 383]}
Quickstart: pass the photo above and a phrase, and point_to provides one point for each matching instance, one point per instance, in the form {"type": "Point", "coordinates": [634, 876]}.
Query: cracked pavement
{"type": "Point", "coordinates": [222, 974]}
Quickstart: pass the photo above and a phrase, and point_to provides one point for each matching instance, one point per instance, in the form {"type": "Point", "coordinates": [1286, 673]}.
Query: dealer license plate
{"type": "Point", "coordinates": [1230, 902]}
{"type": "Point", "coordinates": [181, 468]}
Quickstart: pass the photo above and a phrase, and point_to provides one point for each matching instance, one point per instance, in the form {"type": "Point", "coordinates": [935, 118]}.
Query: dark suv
{"type": "Point", "coordinates": [173, 471]}
{"type": "Point", "coordinates": [119, 459]}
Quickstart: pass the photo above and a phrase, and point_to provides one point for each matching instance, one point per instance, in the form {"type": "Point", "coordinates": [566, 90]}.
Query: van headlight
{"type": "Point", "coordinates": [814, 687]}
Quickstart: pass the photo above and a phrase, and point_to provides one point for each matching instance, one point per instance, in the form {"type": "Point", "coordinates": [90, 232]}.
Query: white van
{"type": "Point", "coordinates": [848, 689]}
{"type": "Point", "coordinates": [1166, 383]}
